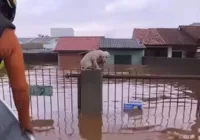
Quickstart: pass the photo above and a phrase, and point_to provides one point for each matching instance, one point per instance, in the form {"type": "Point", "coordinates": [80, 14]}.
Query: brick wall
{"type": "Point", "coordinates": [69, 60]}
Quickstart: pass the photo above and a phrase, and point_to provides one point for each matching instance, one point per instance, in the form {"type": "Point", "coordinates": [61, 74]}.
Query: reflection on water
{"type": "Point", "coordinates": [91, 123]}
{"type": "Point", "coordinates": [169, 105]}
{"type": "Point", "coordinates": [42, 125]}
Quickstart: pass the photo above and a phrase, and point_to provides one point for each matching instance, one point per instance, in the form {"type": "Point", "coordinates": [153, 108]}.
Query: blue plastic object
{"type": "Point", "coordinates": [9, 125]}
{"type": "Point", "coordinates": [136, 104]}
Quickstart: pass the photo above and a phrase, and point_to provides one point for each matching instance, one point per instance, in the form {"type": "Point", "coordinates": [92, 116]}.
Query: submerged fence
{"type": "Point", "coordinates": [169, 102]}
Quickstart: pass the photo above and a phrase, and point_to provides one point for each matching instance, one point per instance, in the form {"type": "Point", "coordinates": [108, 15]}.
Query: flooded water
{"type": "Point", "coordinates": [169, 112]}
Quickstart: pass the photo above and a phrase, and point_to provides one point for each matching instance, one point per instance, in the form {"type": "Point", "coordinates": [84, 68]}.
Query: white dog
{"type": "Point", "coordinates": [92, 58]}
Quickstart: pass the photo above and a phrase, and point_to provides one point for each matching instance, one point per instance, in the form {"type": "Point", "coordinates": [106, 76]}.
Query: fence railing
{"type": "Point", "coordinates": [169, 102]}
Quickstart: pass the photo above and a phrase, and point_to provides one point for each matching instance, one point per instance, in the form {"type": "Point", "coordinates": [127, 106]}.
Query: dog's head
{"type": "Point", "coordinates": [104, 56]}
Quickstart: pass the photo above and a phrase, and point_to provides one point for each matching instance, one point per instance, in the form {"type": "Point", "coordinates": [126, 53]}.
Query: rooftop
{"type": "Point", "coordinates": [78, 43]}
{"type": "Point", "coordinates": [118, 43]}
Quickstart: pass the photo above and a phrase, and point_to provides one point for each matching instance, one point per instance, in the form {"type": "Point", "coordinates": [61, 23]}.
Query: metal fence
{"type": "Point", "coordinates": [170, 103]}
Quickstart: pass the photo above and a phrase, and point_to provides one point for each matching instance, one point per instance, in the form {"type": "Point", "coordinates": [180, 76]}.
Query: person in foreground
{"type": "Point", "coordinates": [11, 54]}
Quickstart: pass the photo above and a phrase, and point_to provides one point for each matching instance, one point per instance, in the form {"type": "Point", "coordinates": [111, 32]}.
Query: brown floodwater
{"type": "Point", "coordinates": [170, 109]}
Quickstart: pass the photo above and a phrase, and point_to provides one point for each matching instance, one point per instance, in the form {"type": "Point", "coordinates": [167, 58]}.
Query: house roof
{"type": "Point", "coordinates": [42, 40]}
{"type": "Point", "coordinates": [24, 40]}
{"type": "Point", "coordinates": [162, 36]}
{"type": "Point", "coordinates": [173, 36]}
{"type": "Point", "coordinates": [195, 24]}
{"type": "Point", "coordinates": [148, 36]}
{"type": "Point", "coordinates": [31, 46]}
{"type": "Point", "coordinates": [120, 43]}
{"type": "Point", "coordinates": [77, 43]}
{"type": "Point", "coordinates": [192, 30]}
{"type": "Point", "coordinates": [38, 51]}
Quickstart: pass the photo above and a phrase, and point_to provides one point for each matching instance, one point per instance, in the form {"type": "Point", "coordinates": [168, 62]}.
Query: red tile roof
{"type": "Point", "coordinates": [78, 43]}
{"type": "Point", "coordinates": [162, 37]}
{"type": "Point", "coordinates": [193, 31]}
{"type": "Point", "coordinates": [173, 36]}
{"type": "Point", "coordinates": [148, 36]}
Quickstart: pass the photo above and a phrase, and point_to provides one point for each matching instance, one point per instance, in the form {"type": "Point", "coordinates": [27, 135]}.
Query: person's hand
{"type": "Point", "coordinates": [26, 130]}
{"type": "Point", "coordinates": [28, 133]}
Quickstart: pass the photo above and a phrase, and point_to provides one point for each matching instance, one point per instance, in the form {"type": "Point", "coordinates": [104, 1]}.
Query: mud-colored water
{"type": "Point", "coordinates": [169, 107]}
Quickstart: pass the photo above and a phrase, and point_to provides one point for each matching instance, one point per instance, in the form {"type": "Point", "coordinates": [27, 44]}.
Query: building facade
{"type": "Point", "coordinates": [123, 51]}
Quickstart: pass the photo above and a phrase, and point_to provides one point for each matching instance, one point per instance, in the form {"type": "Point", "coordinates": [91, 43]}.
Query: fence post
{"type": "Point", "coordinates": [90, 92]}
{"type": "Point", "coordinates": [79, 93]}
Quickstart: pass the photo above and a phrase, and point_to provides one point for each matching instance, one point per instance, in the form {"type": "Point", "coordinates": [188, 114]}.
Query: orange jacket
{"type": "Point", "coordinates": [11, 53]}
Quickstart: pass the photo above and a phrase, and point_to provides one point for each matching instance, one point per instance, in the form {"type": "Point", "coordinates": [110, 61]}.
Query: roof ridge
{"type": "Point", "coordinates": [140, 28]}
{"type": "Point", "coordinates": [118, 38]}
{"type": "Point", "coordinates": [160, 36]}
{"type": "Point", "coordinates": [82, 37]}
{"type": "Point", "coordinates": [166, 28]}
{"type": "Point", "coordinates": [146, 39]}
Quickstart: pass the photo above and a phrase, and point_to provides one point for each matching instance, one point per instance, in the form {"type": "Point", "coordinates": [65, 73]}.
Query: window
{"type": "Point", "coordinates": [190, 54]}
{"type": "Point", "coordinates": [122, 59]}
{"type": "Point", "coordinates": [177, 54]}
{"type": "Point", "coordinates": [156, 52]}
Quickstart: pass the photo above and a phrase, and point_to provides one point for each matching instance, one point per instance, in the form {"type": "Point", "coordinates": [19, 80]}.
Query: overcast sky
{"type": "Point", "coordinates": [111, 18]}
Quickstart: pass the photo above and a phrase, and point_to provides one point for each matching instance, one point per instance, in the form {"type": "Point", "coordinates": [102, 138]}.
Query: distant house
{"type": "Point", "coordinates": [24, 40]}
{"type": "Point", "coordinates": [31, 46]}
{"type": "Point", "coordinates": [166, 42]}
{"type": "Point", "coordinates": [35, 53]}
{"type": "Point", "coordinates": [70, 50]}
{"type": "Point", "coordinates": [123, 51]}
{"type": "Point", "coordinates": [195, 24]}
{"type": "Point", "coordinates": [42, 44]}
{"type": "Point", "coordinates": [48, 42]}
{"type": "Point", "coordinates": [34, 48]}
{"type": "Point", "coordinates": [39, 49]}
{"type": "Point", "coordinates": [193, 31]}
{"type": "Point", "coordinates": [152, 40]}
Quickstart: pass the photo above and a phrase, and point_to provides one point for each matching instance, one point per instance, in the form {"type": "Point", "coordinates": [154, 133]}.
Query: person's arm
{"type": "Point", "coordinates": [14, 63]}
